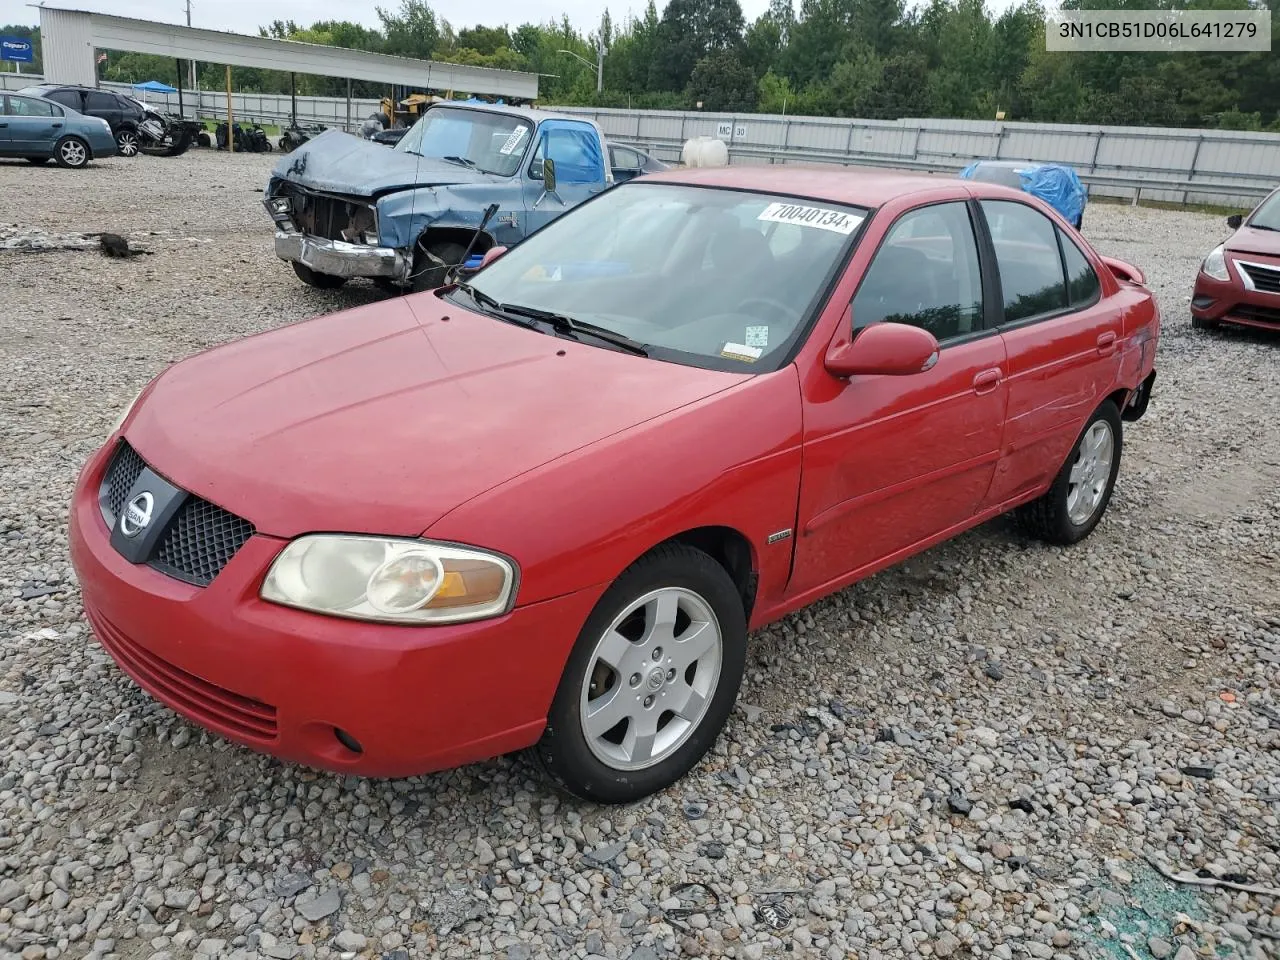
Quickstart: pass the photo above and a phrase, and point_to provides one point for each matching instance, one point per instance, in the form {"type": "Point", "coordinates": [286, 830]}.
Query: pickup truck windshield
{"type": "Point", "coordinates": [490, 142]}
{"type": "Point", "coordinates": [725, 279]}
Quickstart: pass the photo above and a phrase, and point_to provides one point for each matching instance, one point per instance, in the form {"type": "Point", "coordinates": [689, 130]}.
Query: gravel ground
{"type": "Point", "coordinates": [975, 754]}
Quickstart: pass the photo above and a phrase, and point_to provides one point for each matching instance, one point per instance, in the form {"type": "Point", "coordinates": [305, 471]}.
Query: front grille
{"type": "Point", "coordinates": [201, 541]}
{"type": "Point", "coordinates": [198, 542]}
{"type": "Point", "coordinates": [1266, 279]}
{"type": "Point", "coordinates": [202, 701]}
{"type": "Point", "coordinates": [1254, 314]}
{"type": "Point", "coordinates": [121, 476]}
{"type": "Point", "coordinates": [329, 217]}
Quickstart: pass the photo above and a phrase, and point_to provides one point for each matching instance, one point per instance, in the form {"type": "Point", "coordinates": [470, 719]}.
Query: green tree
{"type": "Point", "coordinates": [413, 31]}
{"type": "Point", "coordinates": [723, 83]}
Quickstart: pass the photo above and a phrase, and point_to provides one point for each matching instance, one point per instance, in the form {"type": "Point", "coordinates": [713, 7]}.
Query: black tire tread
{"type": "Point", "coordinates": [1045, 518]}
{"type": "Point", "coordinates": [321, 281]}
{"type": "Point", "coordinates": [667, 553]}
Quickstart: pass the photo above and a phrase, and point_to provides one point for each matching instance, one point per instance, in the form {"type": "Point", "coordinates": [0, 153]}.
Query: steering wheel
{"type": "Point", "coordinates": [780, 309]}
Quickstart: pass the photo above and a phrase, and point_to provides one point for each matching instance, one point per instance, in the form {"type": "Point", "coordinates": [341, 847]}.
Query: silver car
{"type": "Point", "coordinates": [40, 130]}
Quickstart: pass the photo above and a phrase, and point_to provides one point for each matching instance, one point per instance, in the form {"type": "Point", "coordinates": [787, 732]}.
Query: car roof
{"type": "Point", "coordinates": [527, 113]}
{"type": "Point", "coordinates": [857, 187]}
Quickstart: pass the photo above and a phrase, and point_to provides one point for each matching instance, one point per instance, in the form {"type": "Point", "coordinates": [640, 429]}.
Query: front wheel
{"type": "Point", "coordinates": [71, 152]}
{"type": "Point", "coordinates": [1078, 498]}
{"type": "Point", "coordinates": [127, 143]}
{"type": "Point", "coordinates": [432, 263]}
{"type": "Point", "coordinates": [651, 680]}
{"type": "Point", "coordinates": [313, 278]}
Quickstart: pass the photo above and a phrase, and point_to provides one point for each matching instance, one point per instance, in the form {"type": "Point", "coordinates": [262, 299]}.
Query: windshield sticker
{"type": "Point", "coordinates": [740, 351]}
{"type": "Point", "coordinates": [756, 336]}
{"type": "Point", "coordinates": [513, 141]}
{"type": "Point", "coordinates": [837, 221]}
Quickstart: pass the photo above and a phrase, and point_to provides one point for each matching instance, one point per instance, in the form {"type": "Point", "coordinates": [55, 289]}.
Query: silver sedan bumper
{"type": "Point", "coordinates": [341, 259]}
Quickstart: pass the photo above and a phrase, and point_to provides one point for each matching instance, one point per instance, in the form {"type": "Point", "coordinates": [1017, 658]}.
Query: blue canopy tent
{"type": "Point", "coordinates": [155, 86]}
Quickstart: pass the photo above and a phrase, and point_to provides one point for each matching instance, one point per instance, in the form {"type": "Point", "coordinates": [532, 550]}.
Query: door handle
{"type": "Point", "coordinates": [986, 381]}
{"type": "Point", "coordinates": [3, 124]}
{"type": "Point", "coordinates": [1107, 343]}
{"type": "Point", "coordinates": [57, 125]}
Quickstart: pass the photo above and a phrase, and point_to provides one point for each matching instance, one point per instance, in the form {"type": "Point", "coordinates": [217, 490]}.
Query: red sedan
{"type": "Point", "coordinates": [544, 509]}
{"type": "Point", "coordinates": [1239, 281]}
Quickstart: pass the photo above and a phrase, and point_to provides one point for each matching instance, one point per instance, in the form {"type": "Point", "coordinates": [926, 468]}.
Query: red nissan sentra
{"type": "Point", "coordinates": [543, 509]}
{"type": "Point", "coordinates": [1239, 280]}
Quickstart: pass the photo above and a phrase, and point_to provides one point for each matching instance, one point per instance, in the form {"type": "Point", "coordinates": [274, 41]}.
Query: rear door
{"type": "Point", "coordinates": [72, 99]}
{"type": "Point", "coordinates": [1061, 336]}
{"type": "Point", "coordinates": [104, 105]}
{"type": "Point", "coordinates": [580, 170]}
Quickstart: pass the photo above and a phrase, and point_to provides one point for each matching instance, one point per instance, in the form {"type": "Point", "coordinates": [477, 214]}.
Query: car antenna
{"type": "Point", "coordinates": [452, 275]}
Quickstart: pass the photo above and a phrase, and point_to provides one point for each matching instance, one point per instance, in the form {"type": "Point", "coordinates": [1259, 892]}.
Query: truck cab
{"type": "Point", "coordinates": [345, 207]}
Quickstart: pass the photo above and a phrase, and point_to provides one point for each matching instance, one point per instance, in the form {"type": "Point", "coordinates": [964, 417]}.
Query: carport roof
{"type": "Point", "coordinates": [217, 46]}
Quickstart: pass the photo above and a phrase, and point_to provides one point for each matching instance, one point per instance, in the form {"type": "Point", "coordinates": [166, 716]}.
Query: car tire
{"type": "Point", "coordinates": [71, 152]}
{"type": "Point", "coordinates": [427, 274]}
{"type": "Point", "coordinates": [202, 138]}
{"type": "Point", "coordinates": [1079, 495]}
{"type": "Point", "coordinates": [617, 650]}
{"type": "Point", "coordinates": [313, 278]}
{"type": "Point", "coordinates": [38, 161]}
{"type": "Point", "coordinates": [127, 143]}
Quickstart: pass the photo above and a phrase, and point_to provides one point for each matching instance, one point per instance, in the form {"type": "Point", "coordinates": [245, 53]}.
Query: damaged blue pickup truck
{"type": "Point", "coordinates": [347, 207]}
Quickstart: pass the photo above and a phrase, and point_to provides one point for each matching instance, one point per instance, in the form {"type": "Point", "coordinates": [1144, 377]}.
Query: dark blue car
{"type": "Point", "coordinates": [40, 130]}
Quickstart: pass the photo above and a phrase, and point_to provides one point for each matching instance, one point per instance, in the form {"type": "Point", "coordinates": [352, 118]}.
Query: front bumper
{"type": "Point", "coordinates": [341, 259]}
{"type": "Point", "coordinates": [286, 682]}
{"type": "Point", "coordinates": [1231, 301]}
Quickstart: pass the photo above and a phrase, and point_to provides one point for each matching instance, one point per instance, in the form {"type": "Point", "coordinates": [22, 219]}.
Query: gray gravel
{"type": "Point", "coordinates": [973, 755]}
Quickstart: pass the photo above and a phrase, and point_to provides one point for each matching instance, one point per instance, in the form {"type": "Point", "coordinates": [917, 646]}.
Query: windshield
{"type": "Point", "coordinates": [1267, 216]}
{"type": "Point", "coordinates": [717, 278]}
{"type": "Point", "coordinates": [490, 142]}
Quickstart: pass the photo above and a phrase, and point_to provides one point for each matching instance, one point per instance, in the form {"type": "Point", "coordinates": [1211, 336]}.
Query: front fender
{"type": "Point", "coordinates": [404, 216]}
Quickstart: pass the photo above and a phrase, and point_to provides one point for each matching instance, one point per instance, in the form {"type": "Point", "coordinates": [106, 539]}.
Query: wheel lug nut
{"type": "Point", "coordinates": [635, 679]}
{"type": "Point", "coordinates": [671, 675]}
{"type": "Point", "coordinates": [657, 653]}
{"type": "Point", "coordinates": [648, 701]}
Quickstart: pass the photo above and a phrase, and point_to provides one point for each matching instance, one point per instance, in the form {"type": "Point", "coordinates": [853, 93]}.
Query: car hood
{"type": "Point", "coordinates": [1251, 240]}
{"type": "Point", "coordinates": [383, 418]}
{"type": "Point", "coordinates": [340, 162]}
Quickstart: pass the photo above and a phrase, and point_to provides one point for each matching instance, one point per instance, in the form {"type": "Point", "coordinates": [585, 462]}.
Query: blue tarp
{"type": "Point", "coordinates": [1054, 183]}
{"type": "Point", "coordinates": [155, 86]}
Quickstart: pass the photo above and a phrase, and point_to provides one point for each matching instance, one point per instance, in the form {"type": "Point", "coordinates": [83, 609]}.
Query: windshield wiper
{"type": "Point", "coordinates": [567, 324]}
{"type": "Point", "coordinates": [462, 161]}
{"type": "Point", "coordinates": [492, 306]}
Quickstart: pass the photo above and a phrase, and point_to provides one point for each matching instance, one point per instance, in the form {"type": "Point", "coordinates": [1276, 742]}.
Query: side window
{"type": "Point", "coordinates": [625, 159]}
{"type": "Point", "coordinates": [925, 274]}
{"type": "Point", "coordinates": [100, 101]}
{"type": "Point", "coordinates": [1083, 286]}
{"type": "Point", "coordinates": [574, 147]}
{"type": "Point", "coordinates": [30, 107]}
{"type": "Point", "coordinates": [68, 98]}
{"type": "Point", "coordinates": [1026, 246]}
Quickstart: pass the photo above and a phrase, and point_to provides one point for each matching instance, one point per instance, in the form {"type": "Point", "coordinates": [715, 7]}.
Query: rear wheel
{"type": "Point", "coordinates": [1078, 498]}
{"type": "Point", "coordinates": [127, 143]}
{"type": "Point", "coordinates": [651, 679]}
{"type": "Point", "coordinates": [71, 152]}
{"type": "Point", "coordinates": [313, 278]}
{"type": "Point", "coordinates": [433, 261]}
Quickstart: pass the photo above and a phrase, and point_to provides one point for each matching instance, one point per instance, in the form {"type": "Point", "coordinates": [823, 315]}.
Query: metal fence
{"type": "Point", "coordinates": [1154, 163]}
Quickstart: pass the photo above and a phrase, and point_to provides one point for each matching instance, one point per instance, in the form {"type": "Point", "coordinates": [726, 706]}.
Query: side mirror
{"type": "Point", "coordinates": [1234, 221]}
{"type": "Point", "coordinates": [490, 255]}
{"type": "Point", "coordinates": [549, 175]}
{"type": "Point", "coordinates": [884, 349]}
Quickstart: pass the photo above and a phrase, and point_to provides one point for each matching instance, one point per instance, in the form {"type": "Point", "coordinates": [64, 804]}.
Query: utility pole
{"type": "Point", "coordinates": [194, 85]}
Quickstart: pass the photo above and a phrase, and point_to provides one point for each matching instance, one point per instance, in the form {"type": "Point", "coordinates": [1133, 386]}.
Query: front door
{"type": "Point", "coordinates": [891, 462]}
{"type": "Point", "coordinates": [1062, 338]}
{"type": "Point", "coordinates": [580, 170]}
{"type": "Point", "coordinates": [34, 125]}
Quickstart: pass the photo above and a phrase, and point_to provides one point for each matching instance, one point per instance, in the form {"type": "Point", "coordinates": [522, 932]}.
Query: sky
{"type": "Point", "coordinates": [245, 16]}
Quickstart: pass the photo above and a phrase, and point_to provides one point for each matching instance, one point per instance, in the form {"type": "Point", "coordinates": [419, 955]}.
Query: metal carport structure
{"type": "Point", "coordinates": [69, 39]}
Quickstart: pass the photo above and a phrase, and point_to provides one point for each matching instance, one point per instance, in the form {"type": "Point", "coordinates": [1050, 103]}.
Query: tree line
{"type": "Point", "coordinates": [876, 59]}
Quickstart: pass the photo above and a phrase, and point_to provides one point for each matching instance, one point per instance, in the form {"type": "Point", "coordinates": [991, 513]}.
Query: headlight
{"type": "Point", "coordinates": [390, 580]}
{"type": "Point", "coordinates": [1215, 265]}
{"type": "Point", "coordinates": [125, 413]}
{"type": "Point", "coordinates": [280, 205]}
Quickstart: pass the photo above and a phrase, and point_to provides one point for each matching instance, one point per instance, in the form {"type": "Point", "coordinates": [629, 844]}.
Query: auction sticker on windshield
{"type": "Point", "coordinates": [513, 141]}
{"type": "Point", "coordinates": [837, 221]}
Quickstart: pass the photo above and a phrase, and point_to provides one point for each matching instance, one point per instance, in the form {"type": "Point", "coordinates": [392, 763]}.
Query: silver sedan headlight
{"type": "Point", "coordinates": [390, 580]}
